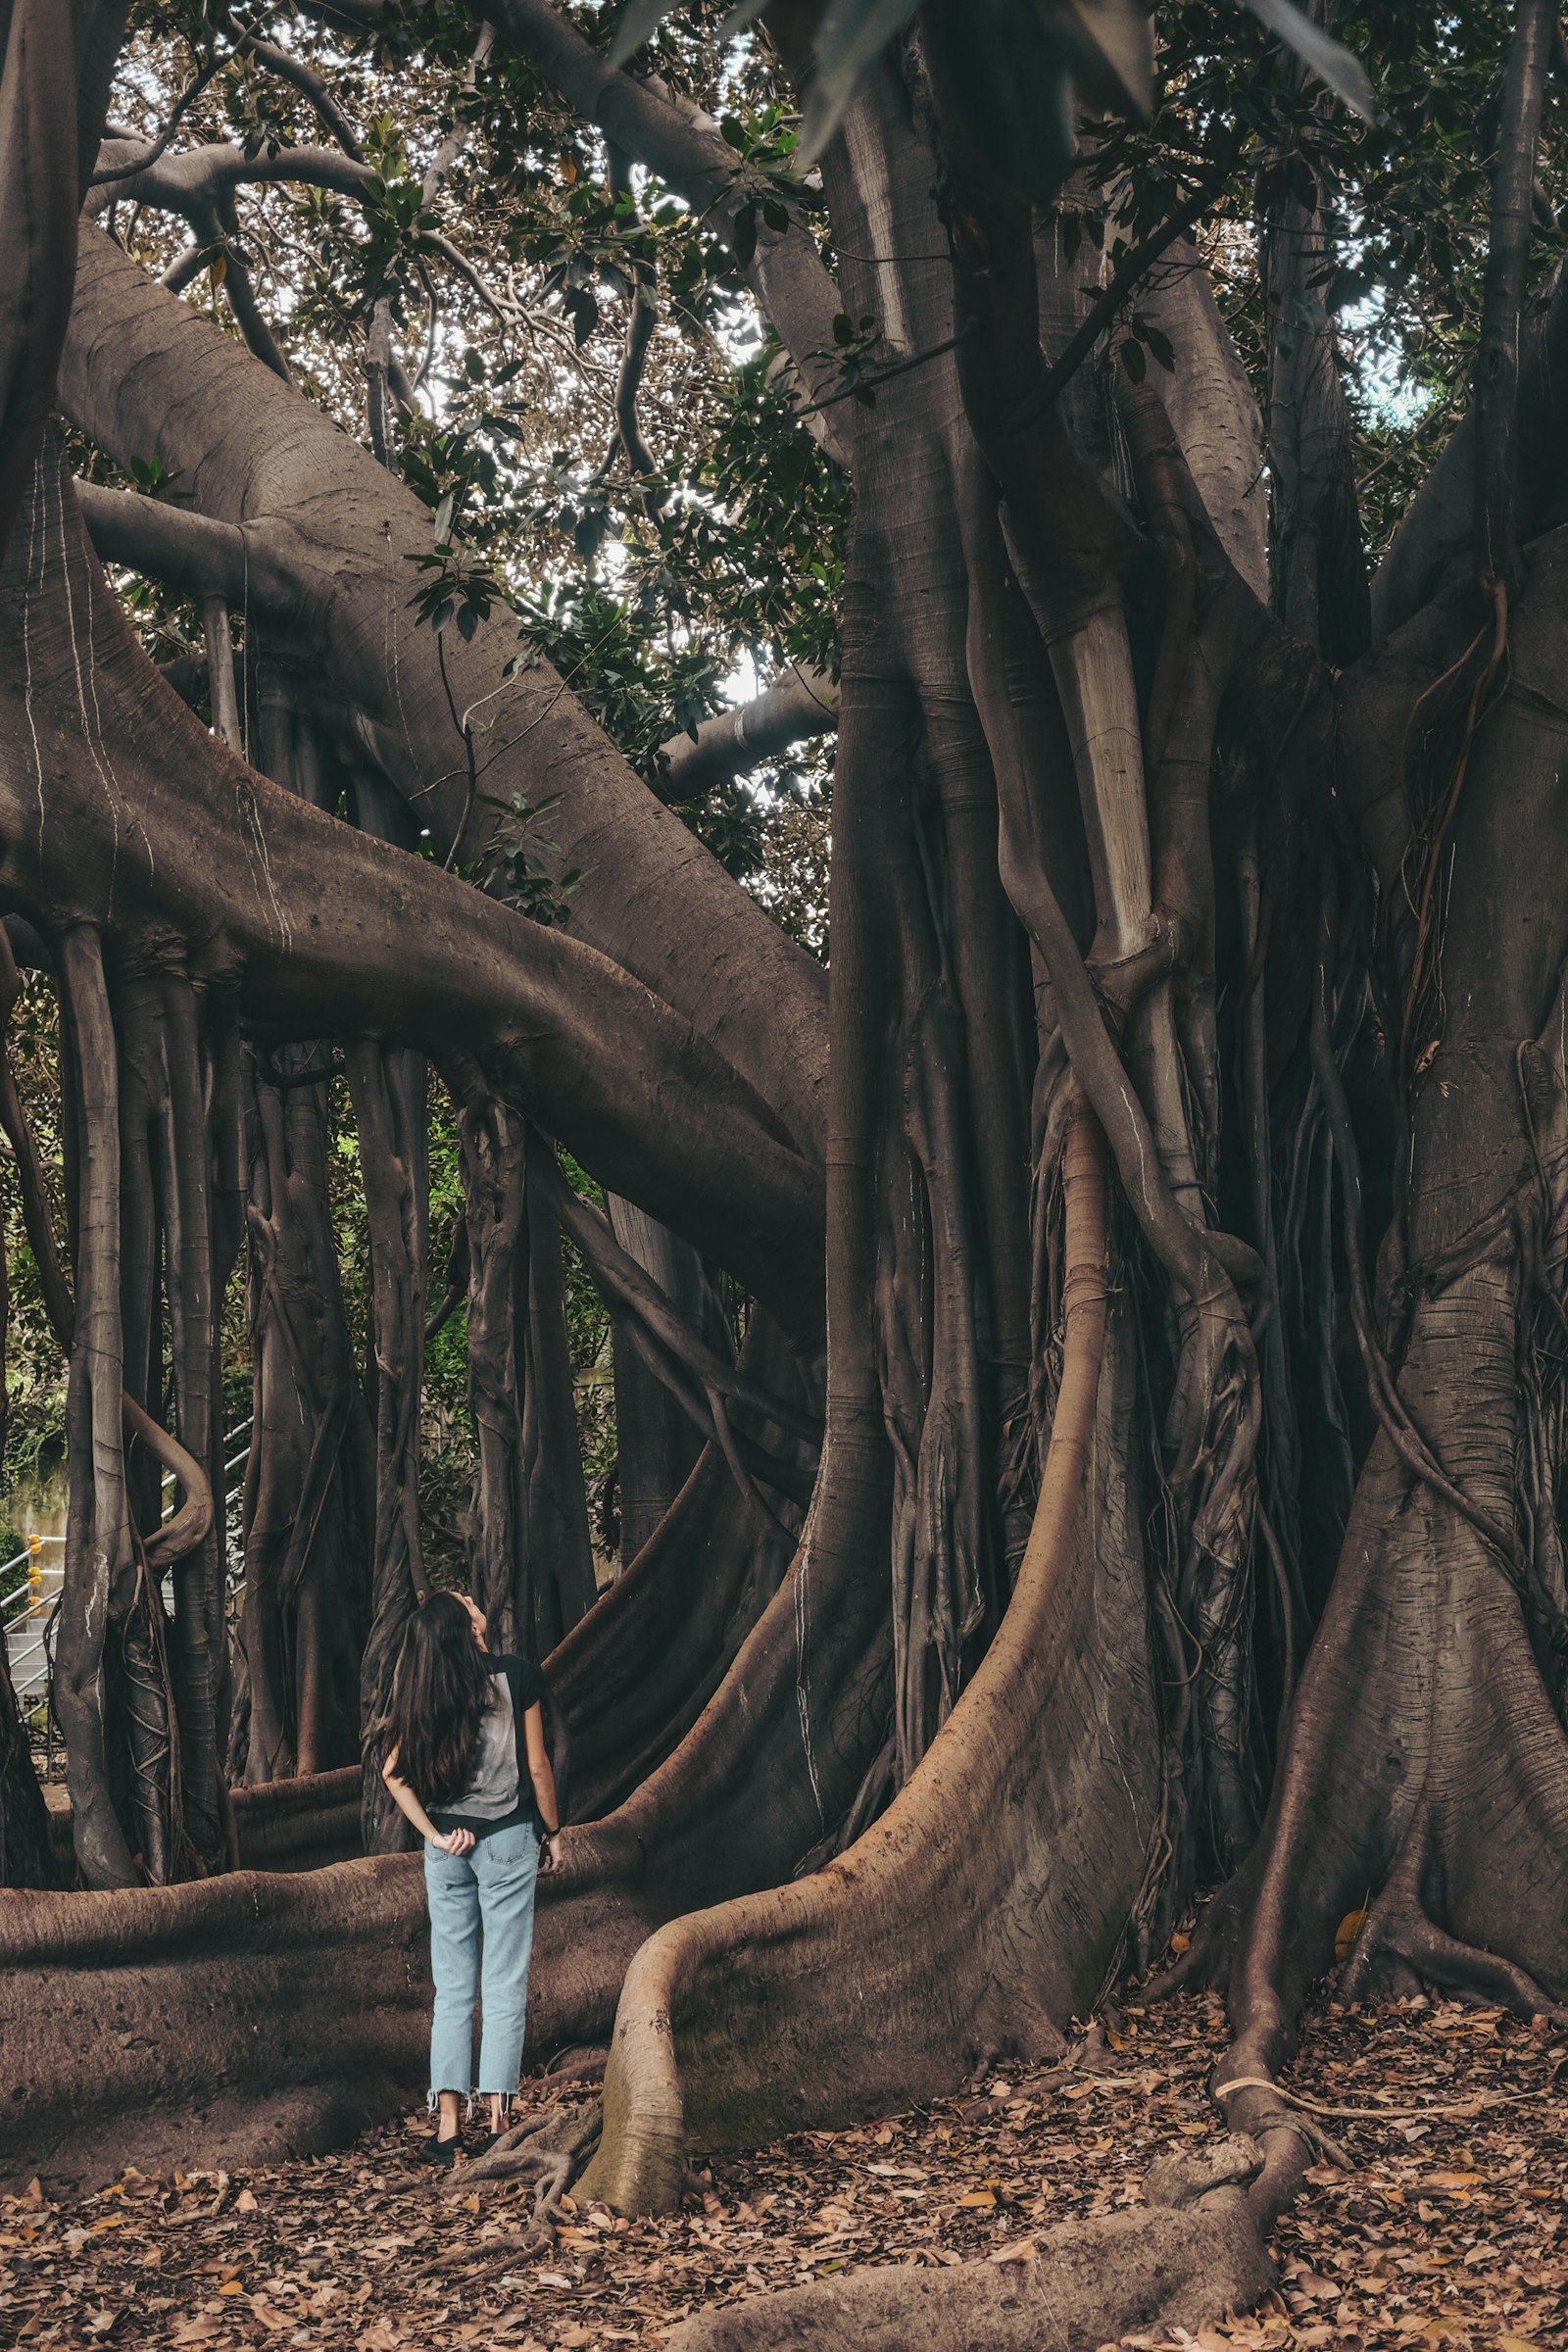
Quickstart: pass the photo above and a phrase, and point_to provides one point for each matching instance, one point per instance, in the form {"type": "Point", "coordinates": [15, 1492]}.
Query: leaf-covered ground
{"type": "Point", "coordinates": [1451, 2230]}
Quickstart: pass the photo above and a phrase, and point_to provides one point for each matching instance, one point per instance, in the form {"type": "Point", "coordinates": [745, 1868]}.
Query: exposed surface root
{"type": "Point", "coordinates": [1191, 2254]}
{"type": "Point", "coordinates": [889, 1974]}
{"type": "Point", "coordinates": [1400, 1948]}
{"type": "Point", "coordinates": [545, 2153]}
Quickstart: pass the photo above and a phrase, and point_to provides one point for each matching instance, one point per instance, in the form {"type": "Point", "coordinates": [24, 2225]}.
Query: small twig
{"type": "Point", "coordinates": [885, 375]}
{"type": "Point", "coordinates": [182, 106]}
{"type": "Point", "coordinates": [1103, 310]}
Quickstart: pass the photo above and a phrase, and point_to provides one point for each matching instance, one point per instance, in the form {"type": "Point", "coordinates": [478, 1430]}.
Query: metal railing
{"type": "Point", "coordinates": [28, 1615]}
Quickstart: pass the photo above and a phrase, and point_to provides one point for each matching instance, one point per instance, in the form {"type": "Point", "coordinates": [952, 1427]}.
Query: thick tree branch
{"type": "Point", "coordinates": [686, 149]}
{"type": "Point", "coordinates": [185, 550]}
{"type": "Point", "coordinates": [312, 87]}
{"type": "Point", "coordinates": [800, 705]}
{"type": "Point", "coordinates": [192, 181]}
{"type": "Point", "coordinates": [329, 931]}
{"type": "Point", "coordinates": [147, 375]}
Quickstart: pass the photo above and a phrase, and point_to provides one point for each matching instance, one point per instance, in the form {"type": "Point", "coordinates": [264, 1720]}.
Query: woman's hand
{"type": "Point", "coordinates": [455, 1841]}
{"type": "Point", "coordinates": [550, 1850]}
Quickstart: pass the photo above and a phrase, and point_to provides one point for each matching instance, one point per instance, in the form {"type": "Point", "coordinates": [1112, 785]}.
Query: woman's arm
{"type": "Point", "coordinates": [450, 1841]}
{"type": "Point", "coordinates": [543, 1778]}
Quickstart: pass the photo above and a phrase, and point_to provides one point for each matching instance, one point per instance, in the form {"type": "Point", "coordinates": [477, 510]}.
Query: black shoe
{"type": "Point", "coordinates": [442, 2153]}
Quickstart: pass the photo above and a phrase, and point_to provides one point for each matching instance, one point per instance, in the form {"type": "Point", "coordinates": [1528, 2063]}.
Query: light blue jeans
{"type": "Point", "coordinates": [492, 1888]}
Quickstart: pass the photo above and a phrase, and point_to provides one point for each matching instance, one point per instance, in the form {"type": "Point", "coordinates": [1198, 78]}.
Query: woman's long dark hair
{"type": "Point", "coordinates": [439, 1697]}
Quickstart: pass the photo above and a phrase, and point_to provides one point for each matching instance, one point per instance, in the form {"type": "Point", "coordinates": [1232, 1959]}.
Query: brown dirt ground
{"type": "Point", "coordinates": [1447, 2230]}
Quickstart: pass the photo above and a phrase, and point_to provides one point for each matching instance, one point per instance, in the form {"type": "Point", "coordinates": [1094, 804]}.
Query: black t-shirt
{"type": "Point", "coordinates": [500, 1793]}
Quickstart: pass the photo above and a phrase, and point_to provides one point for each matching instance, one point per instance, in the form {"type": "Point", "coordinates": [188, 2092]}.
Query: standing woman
{"type": "Point", "coordinates": [467, 1763]}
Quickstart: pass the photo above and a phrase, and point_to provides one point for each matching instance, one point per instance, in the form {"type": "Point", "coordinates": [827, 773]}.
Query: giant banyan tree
{"type": "Point", "coordinates": [1137, 1474]}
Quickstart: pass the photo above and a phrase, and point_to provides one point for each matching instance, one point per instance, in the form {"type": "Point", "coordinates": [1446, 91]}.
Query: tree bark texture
{"type": "Point", "coordinates": [320, 533]}
{"type": "Point", "coordinates": [1147, 877]}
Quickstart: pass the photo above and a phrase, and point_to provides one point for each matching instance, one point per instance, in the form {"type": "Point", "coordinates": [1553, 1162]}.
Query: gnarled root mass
{"type": "Point", "coordinates": [1192, 2253]}
{"type": "Point", "coordinates": [545, 2153]}
{"type": "Point", "coordinates": [1422, 1797]}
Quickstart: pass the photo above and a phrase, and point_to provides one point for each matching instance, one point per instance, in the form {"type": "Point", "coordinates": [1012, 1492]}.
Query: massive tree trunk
{"type": "Point", "coordinates": [1138, 887]}
{"type": "Point", "coordinates": [533, 1566]}
{"type": "Point", "coordinates": [1427, 1759]}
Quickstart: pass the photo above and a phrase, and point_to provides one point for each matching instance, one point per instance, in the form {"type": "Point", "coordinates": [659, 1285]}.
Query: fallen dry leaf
{"type": "Point", "coordinates": [362, 2249]}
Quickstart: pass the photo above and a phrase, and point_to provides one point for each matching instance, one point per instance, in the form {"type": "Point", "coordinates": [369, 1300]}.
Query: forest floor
{"type": "Point", "coordinates": [1447, 2230]}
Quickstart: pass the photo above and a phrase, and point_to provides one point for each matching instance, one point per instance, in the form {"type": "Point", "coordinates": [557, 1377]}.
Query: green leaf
{"type": "Point", "coordinates": [1329, 59]}
{"type": "Point", "coordinates": [1154, 340]}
